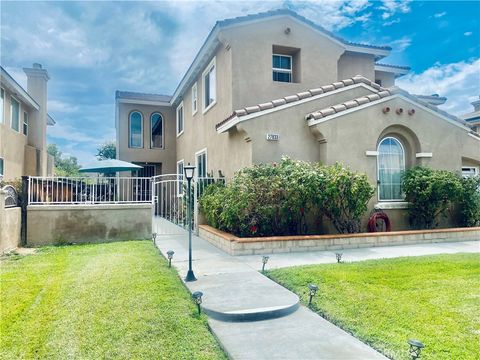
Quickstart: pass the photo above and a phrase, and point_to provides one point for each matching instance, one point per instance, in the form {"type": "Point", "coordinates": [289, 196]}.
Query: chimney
{"type": "Point", "coordinates": [476, 105]}
{"type": "Point", "coordinates": [37, 79]}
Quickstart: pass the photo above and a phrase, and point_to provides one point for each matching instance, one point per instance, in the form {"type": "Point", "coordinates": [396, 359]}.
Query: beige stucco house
{"type": "Point", "coordinates": [273, 84]}
{"type": "Point", "coordinates": [23, 125]}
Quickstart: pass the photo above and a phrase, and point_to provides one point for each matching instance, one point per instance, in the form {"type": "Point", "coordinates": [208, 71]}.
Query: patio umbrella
{"type": "Point", "coordinates": [109, 166]}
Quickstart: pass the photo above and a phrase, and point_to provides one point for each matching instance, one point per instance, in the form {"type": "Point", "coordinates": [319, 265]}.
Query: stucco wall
{"type": "Point", "coordinates": [387, 79]}
{"type": "Point", "coordinates": [351, 64]}
{"type": "Point", "coordinates": [165, 156]}
{"type": "Point", "coordinates": [63, 224]}
{"type": "Point", "coordinates": [10, 226]}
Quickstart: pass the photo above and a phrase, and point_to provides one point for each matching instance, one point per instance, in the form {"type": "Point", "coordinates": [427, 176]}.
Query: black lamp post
{"type": "Point", "coordinates": [170, 256]}
{"type": "Point", "coordinates": [189, 172]}
{"type": "Point", "coordinates": [339, 257]}
{"type": "Point", "coordinates": [415, 348]}
{"type": "Point", "coordinates": [197, 298]}
{"type": "Point", "coordinates": [154, 237]}
{"type": "Point", "coordinates": [312, 290]}
{"type": "Point", "coordinates": [264, 262]}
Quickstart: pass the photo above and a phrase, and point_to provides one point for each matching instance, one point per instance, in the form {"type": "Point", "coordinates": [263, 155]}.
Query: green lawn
{"type": "Point", "coordinates": [435, 299]}
{"type": "Point", "coordinates": [104, 301]}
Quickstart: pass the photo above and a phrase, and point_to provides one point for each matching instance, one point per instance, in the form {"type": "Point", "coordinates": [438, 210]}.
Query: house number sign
{"type": "Point", "coordinates": [273, 137]}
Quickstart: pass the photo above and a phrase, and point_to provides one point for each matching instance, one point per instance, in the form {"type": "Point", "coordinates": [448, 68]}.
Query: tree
{"type": "Point", "coordinates": [64, 166]}
{"type": "Point", "coordinates": [107, 151]}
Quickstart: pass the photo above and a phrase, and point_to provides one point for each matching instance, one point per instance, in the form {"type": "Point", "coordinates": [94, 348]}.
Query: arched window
{"type": "Point", "coordinates": [156, 130]}
{"type": "Point", "coordinates": [391, 166]}
{"type": "Point", "coordinates": [135, 139]}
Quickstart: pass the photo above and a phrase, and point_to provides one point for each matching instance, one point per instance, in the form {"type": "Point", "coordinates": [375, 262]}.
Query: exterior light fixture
{"type": "Point", "coordinates": [339, 257]}
{"type": "Point", "coordinates": [415, 348]}
{"type": "Point", "coordinates": [197, 298]}
{"type": "Point", "coordinates": [312, 290]}
{"type": "Point", "coordinates": [264, 262]}
{"type": "Point", "coordinates": [170, 257]}
{"type": "Point", "coordinates": [189, 171]}
{"type": "Point", "coordinates": [154, 237]}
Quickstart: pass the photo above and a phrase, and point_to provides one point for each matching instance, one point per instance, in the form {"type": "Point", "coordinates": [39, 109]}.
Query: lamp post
{"type": "Point", "coordinates": [197, 298]}
{"type": "Point", "coordinates": [170, 256]}
{"type": "Point", "coordinates": [312, 290]}
{"type": "Point", "coordinates": [189, 172]}
{"type": "Point", "coordinates": [264, 262]}
{"type": "Point", "coordinates": [415, 348]}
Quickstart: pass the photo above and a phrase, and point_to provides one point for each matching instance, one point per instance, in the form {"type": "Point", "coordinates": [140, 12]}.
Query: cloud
{"type": "Point", "coordinates": [468, 33]}
{"type": "Point", "coordinates": [401, 44]}
{"type": "Point", "coordinates": [388, 23]}
{"type": "Point", "coordinates": [459, 82]}
{"type": "Point", "coordinates": [392, 7]}
{"type": "Point", "coordinates": [440, 14]}
{"type": "Point", "coordinates": [61, 107]}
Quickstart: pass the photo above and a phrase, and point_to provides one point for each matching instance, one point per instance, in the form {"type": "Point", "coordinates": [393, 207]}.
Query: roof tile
{"type": "Point", "coordinates": [252, 109]}
{"type": "Point", "coordinates": [339, 107]}
{"type": "Point", "coordinates": [338, 84]}
{"type": "Point", "coordinates": [316, 91]}
{"type": "Point", "coordinates": [265, 106]}
{"type": "Point", "coordinates": [291, 98]}
{"type": "Point", "coordinates": [279, 102]}
{"type": "Point", "coordinates": [303, 95]}
{"type": "Point", "coordinates": [327, 88]}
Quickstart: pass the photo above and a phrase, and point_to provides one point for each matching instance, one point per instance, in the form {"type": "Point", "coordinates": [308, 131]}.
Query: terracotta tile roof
{"type": "Point", "coordinates": [300, 96]}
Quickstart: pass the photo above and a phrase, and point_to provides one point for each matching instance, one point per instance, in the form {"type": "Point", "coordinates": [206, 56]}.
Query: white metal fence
{"type": "Point", "coordinates": [88, 190]}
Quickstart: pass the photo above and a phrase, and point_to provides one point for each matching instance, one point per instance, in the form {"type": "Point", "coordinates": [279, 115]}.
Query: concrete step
{"type": "Point", "coordinates": [244, 296]}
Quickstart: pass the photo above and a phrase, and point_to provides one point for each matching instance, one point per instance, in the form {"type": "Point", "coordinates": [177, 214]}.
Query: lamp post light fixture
{"type": "Point", "coordinates": [312, 290]}
{"type": "Point", "coordinates": [339, 257]}
{"type": "Point", "coordinates": [170, 256]}
{"type": "Point", "coordinates": [197, 298]}
{"type": "Point", "coordinates": [264, 262]}
{"type": "Point", "coordinates": [154, 237]}
{"type": "Point", "coordinates": [189, 171]}
{"type": "Point", "coordinates": [415, 348]}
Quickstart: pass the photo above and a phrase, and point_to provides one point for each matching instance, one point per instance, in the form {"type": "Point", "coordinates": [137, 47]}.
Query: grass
{"type": "Point", "coordinates": [102, 301]}
{"type": "Point", "coordinates": [435, 299]}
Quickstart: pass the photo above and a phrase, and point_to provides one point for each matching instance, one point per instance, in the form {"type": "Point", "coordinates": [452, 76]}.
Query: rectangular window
{"type": "Point", "coordinates": [209, 86]}
{"type": "Point", "coordinates": [201, 163]}
{"type": "Point", "coordinates": [469, 172]}
{"type": "Point", "coordinates": [2, 104]}
{"type": "Point", "coordinates": [1, 168]}
{"type": "Point", "coordinates": [15, 114]}
{"type": "Point", "coordinates": [194, 99]}
{"type": "Point", "coordinates": [25, 123]}
{"type": "Point", "coordinates": [180, 119]}
{"type": "Point", "coordinates": [282, 68]}
{"type": "Point", "coordinates": [180, 177]}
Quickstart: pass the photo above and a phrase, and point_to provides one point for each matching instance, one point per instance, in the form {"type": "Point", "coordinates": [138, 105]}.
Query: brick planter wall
{"type": "Point", "coordinates": [279, 244]}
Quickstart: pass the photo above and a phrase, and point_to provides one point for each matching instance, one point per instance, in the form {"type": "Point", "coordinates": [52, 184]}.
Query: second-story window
{"type": "Point", "coordinates": [15, 114]}
{"type": "Point", "coordinates": [156, 131]}
{"type": "Point", "coordinates": [209, 86]}
{"type": "Point", "coordinates": [25, 123]}
{"type": "Point", "coordinates": [282, 68]}
{"type": "Point", "coordinates": [2, 104]}
{"type": "Point", "coordinates": [180, 119]}
{"type": "Point", "coordinates": [135, 130]}
{"type": "Point", "coordinates": [194, 99]}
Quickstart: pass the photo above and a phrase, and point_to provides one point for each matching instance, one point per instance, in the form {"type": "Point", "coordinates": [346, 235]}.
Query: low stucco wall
{"type": "Point", "coordinates": [10, 227]}
{"type": "Point", "coordinates": [281, 244]}
{"type": "Point", "coordinates": [62, 224]}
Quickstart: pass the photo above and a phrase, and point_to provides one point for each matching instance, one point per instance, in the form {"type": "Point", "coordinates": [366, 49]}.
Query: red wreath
{"type": "Point", "coordinates": [372, 222]}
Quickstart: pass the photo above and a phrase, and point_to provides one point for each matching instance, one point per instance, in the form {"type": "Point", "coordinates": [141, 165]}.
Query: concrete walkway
{"type": "Point", "coordinates": [235, 295]}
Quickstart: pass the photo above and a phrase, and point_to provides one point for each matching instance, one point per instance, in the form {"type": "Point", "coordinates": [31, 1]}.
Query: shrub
{"type": "Point", "coordinates": [430, 194]}
{"type": "Point", "coordinates": [469, 202]}
{"type": "Point", "coordinates": [271, 199]}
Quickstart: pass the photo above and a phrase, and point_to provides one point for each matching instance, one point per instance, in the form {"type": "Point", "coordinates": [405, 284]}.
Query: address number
{"type": "Point", "coordinates": [273, 137]}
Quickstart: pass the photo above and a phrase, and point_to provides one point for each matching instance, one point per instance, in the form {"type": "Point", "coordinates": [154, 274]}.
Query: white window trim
{"type": "Point", "coordinates": [19, 113]}
{"type": "Point", "coordinates": [2, 120]}
{"type": "Point", "coordinates": [129, 130]}
{"type": "Point", "coordinates": [183, 119]}
{"type": "Point", "coordinates": [286, 71]}
{"type": "Point", "coordinates": [180, 191]}
{"type": "Point", "coordinates": [200, 152]}
{"type": "Point", "coordinates": [194, 99]}
{"type": "Point", "coordinates": [206, 71]}
{"type": "Point", "coordinates": [378, 171]}
{"type": "Point", "coordinates": [476, 170]}
{"type": "Point", "coordinates": [163, 131]}
{"type": "Point", "coordinates": [25, 123]}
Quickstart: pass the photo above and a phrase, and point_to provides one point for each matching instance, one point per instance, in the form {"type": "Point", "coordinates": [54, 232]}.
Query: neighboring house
{"type": "Point", "coordinates": [273, 84]}
{"type": "Point", "coordinates": [473, 119]}
{"type": "Point", "coordinates": [23, 125]}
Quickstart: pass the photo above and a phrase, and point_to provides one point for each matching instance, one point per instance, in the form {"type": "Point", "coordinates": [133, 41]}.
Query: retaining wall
{"type": "Point", "coordinates": [63, 224]}
{"type": "Point", "coordinates": [281, 244]}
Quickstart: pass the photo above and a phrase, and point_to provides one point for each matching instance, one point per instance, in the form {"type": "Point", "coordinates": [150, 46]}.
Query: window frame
{"type": "Point", "coordinates": [402, 199]}
{"type": "Point", "coordinates": [194, 98]}
{"type": "Point", "coordinates": [2, 167]}
{"type": "Point", "coordinates": [476, 171]}
{"type": "Point", "coordinates": [11, 113]}
{"type": "Point", "coordinates": [2, 117]}
{"type": "Point", "coordinates": [212, 64]}
{"type": "Point", "coordinates": [197, 154]}
{"type": "Point", "coordinates": [180, 178]}
{"type": "Point", "coordinates": [285, 71]}
{"type": "Point", "coordinates": [180, 106]}
{"type": "Point", "coordinates": [26, 119]}
{"type": "Point", "coordinates": [130, 130]}
{"type": "Point", "coordinates": [151, 131]}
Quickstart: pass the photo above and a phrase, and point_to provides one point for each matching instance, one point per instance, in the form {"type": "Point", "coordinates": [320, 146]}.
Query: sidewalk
{"type": "Point", "coordinates": [255, 318]}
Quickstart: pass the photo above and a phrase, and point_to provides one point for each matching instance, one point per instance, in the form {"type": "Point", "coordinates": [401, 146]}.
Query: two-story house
{"type": "Point", "coordinates": [273, 84]}
{"type": "Point", "coordinates": [23, 125]}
